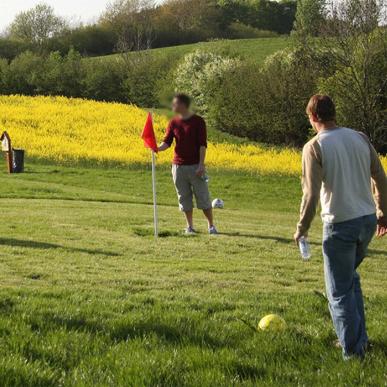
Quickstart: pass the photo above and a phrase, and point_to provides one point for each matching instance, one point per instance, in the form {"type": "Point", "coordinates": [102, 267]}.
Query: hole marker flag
{"type": "Point", "coordinates": [149, 137]}
{"type": "Point", "coordinates": [148, 134]}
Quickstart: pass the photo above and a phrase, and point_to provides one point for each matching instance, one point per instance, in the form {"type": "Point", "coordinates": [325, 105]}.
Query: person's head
{"type": "Point", "coordinates": [181, 104]}
{"type": "Point", "coordinates": [321, 111]}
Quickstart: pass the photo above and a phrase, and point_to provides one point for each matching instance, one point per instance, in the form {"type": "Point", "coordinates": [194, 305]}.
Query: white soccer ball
{"type": "Point", "coordinates": [218, 203]}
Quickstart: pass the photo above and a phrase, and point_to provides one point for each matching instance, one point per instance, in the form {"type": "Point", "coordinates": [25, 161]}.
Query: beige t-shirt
{"type": "Point", "coordinates": [338, 168]}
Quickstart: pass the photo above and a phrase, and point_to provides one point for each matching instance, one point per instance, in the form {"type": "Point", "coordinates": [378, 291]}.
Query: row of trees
{"type": "Point", "coordinates": [138, 79]}
{"type": "Point", "coordinates": [141, 24]}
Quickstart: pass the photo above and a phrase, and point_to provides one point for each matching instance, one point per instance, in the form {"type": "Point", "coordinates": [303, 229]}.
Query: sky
{"type": "Point", "coordinates": [76, 10]}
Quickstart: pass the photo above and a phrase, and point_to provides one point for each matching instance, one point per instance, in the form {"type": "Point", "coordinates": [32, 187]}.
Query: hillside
{"type": "Point", "coordinates": [256, 50]}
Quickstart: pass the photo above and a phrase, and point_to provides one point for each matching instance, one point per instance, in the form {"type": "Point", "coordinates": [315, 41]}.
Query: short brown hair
{"type": "Point", "coordinates": [183, 98]}
{"type": "Point", "coordinates": [322, 107]}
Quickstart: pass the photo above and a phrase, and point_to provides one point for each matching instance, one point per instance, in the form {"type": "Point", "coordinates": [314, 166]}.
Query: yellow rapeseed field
{"type": "Point", "coordinates": [71, 130]}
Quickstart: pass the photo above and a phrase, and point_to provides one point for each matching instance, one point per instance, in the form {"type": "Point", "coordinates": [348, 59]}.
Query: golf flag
{"type": "Point", "coordinates": [148, 134]}
{"type": "Point", "coordinates": [149, 137]}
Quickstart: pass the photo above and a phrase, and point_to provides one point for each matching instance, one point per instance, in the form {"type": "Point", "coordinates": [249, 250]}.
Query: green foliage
{"type": "Point", "coordinates": [243, 31]}
{"type": "Point", "coordinates": [271, 100]}
{"type": "Point", "coordinates": [144, 78]}
{"type": "Point", "coordinates": [90, 40]}
{"type": "Point", "coordinates": [10, 48]}
{"type": "Point", "coordinates": [25, 74]}
{"type": "Point", "coordinates": [32, 74]}
{"type": "Point", "coordinates": [37, 25]}
{"type": "Point", "coordinates": [4, 69]}
{"type": "Point", "coordinates": [355, 47]}
{"type": "Point", "coordinates": [103, 81]}
{"type": "Point", "coordinates": [261, 14]}
{"type": "Point", "coordinates": [143, 73]}
{"type": "Point", "coordinates": [359, 87]}
{"type": "Point", "coordinates": [310, 17]}
{"type": "Point", "coordinates": [200, 73]}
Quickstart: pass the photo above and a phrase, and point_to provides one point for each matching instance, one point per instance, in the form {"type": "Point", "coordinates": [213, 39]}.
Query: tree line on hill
{"type": "Point", "coordinates": [337, 49]}
{"type": "Point", "coordinates": [141, 24]}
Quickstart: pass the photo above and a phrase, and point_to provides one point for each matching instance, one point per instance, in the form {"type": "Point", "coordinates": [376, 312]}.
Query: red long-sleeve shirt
{"type": "Point", "coordinates": [190, 135]}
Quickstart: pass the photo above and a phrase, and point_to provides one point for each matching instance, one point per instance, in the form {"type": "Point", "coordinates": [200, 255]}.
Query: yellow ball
{"type": "Point", "coordinates": [272, 323]}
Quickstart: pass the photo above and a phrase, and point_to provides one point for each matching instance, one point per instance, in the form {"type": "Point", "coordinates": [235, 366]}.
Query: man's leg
{"type": "Point", "coordinates": [184, 192]}
{"type": "Point", "coordinates": [365, 239]}
{"type": "Point", "coordinates": [189, 218]}
{"type": "Point", "coordinates": [339, 247]}
{"type": "Point", "coordinates": [210, 217]}
{"type": "Point", "coordinates": [202, 196]}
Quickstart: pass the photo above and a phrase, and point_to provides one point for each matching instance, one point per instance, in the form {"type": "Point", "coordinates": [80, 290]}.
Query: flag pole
{"type": "Point", "coordinates": [155, 213]}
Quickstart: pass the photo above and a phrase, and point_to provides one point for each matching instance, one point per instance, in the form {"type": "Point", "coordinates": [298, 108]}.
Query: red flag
{"type": "Point", "coordinates": [148, 135]}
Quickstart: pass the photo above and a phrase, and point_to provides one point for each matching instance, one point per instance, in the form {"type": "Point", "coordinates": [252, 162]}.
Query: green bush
{"type": "Point", "coordinates": [239, 30]}
{"type": "Point", "coordinates": [103, 81]}
{"type": "Point", "coordinates": [10, 48]}
{"type": "Point", "coordinates": [200, 73]}
{"type": "Point", "coordinates": [360, 89]}
{"type": "Point", "coordinates": [91, 40]}
{"type": "Point", "coordinates": [144, 73]}
{"type": "Point", "coordinates": [26, 74]}
{"type": "Point", "coordinates": [62, 75]}
{"type": "Point", "coordinates": [266, 104]}
{"type": "Point", "coordinates": [4, 71]}
{"type": "Point", "coordinates": [32, 74]}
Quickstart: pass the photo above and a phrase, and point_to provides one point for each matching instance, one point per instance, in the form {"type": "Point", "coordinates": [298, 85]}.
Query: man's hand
{"type": "Point", "coordinates": [163, 147]}
{"type": "Point", "coordinates": [382, 227]}
{"type": "Point", "coordinates": [201, 170]}
{"type": "Point", "coordinates": [298, 235]}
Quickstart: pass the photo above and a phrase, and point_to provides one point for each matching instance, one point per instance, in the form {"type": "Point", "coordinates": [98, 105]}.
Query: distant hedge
{"type": "Point", "coordinates": [266, 104]}
{"type": "Point", "coordinates": [130, 79]}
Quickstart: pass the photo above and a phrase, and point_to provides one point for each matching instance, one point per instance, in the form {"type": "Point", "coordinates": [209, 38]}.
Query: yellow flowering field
{"type": "Point", "coordinates": [62, 129]}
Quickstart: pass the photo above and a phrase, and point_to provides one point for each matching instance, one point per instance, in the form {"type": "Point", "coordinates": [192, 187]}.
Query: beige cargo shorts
{"type": "Point", "coordinates": [189, 185]}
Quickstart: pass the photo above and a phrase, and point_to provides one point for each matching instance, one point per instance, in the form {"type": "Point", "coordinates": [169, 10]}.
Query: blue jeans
{"type": "Point", "coordinates": [345, 247]}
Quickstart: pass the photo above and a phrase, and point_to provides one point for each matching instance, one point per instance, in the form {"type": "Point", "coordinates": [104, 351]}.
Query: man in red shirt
{"type": "Point", "coordinates": [189, 132]}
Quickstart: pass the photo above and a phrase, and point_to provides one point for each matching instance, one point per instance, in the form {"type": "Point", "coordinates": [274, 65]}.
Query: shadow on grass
{"type": "Point", "coordinates": [166, 332]}
{"type": "Point", "coordinates": [124, 331]}
{"type": "Point", "coordinates": [146, 232]}
{"type": "Point", "coordinates": [255, 236]}
{"type": "Point", "coordinates": [246, 372]}
{"type": "Point", "coordinates": [285, 240]}
{"type": "Point", "coordinates": [377, 345]}
{"type": "Point", "coordinates": [45, 246]}
{"type": "Point", "coordinates": [378, 252]}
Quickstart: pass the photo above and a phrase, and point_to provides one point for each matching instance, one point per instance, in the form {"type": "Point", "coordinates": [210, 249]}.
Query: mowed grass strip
{"type": "Point", "coordinates": [89, 298]}
{"type": "Point", "coordinates": [253, 50]}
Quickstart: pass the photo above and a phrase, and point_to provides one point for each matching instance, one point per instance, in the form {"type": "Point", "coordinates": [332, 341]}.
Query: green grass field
{"type": "Point", "coordinates": [255, 50]}
{"type": "Point", "coordinates": [88, 298]}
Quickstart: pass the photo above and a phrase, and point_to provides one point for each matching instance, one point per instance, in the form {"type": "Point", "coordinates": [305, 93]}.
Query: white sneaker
{"type": "Point", "coordinates": [213, 231]}
{"type": "Point", "coordinates": [189, 231]}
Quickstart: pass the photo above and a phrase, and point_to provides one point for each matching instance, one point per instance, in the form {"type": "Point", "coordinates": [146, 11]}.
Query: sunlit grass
{"type": "Point", "coordinates": [88, 298]}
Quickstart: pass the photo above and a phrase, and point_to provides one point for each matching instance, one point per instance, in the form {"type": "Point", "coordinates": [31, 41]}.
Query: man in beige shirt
{"type": "Point", "coordinates": [340, 167]}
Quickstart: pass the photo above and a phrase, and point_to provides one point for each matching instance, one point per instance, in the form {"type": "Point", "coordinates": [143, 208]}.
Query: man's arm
{"type": "Point", "coordinates": [379, 181]}
{"type": "Point", "coordinates": [163, 147]}
{"type": "Point", "coordinates": [312, 175]}
{"type": "Point", "coordinates": [203, 149]}
{"type": "Point", "coordinates": [379, 187]}
{"type": "Point", "coordinates": [202, 163]}
{"type": "Point", "coordinates": [168, 139]}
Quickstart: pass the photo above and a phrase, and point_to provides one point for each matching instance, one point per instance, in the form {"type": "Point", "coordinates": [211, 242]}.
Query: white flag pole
{"type": "Point", "coordinates": [155, 212]}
